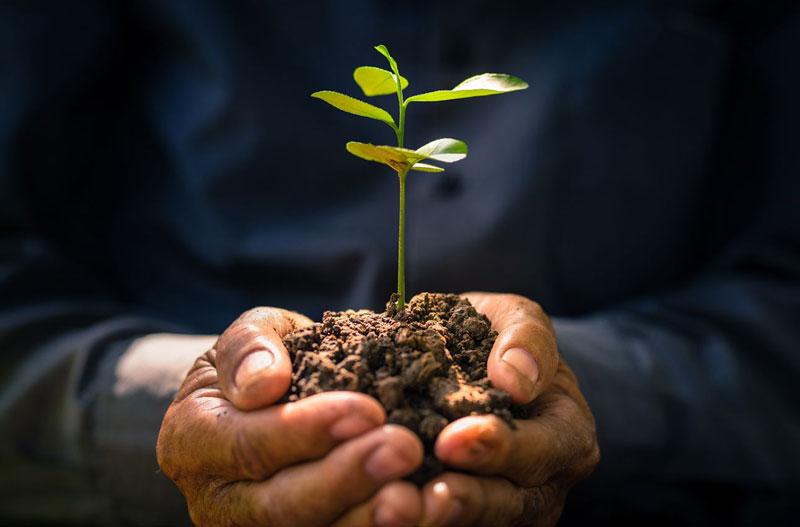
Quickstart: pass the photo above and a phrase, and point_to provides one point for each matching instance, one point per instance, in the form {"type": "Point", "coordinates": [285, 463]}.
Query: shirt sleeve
{"type": "Point", "coordinates": [77, 445]}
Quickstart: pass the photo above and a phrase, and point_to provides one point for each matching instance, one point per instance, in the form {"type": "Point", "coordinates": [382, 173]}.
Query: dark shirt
{"type": "Point", "coordinates": [162, 168]}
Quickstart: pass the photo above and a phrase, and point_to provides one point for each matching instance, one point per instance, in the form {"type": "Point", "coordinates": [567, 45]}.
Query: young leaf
{"type": "Point", "coordinates": [397, 158]}
{"type": "Point", "coordinates": [377, 81]}
{"type": "Point", "coordinates": [385, 52]}
{"type": "Point", "coordinates": [424, 167]}
{"type": "Point", "coordinates": [477, 86]}
{"type": "Point", "coordinates": [446, 150]}
{"type": "Point", "coordinates": [350, 105]}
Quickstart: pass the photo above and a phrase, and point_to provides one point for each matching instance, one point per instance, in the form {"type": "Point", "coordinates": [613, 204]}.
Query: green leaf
{"type": "Point", "coordinates": [424, 167]}
{"type": "Point", "coordinates": [477, 86]}
{"type": "Point", "coordinates": [377, 81]}
{"type": "Point", "coordinates": [350, 105]}
{"type": "Point", "coordinates": [397, 158]}
{"type": "Point", "coordinates": [447, 150]}
{"type": "Point", "coordinates": [385, 52]}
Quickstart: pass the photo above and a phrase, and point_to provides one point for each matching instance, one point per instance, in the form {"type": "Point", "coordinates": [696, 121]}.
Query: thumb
{"type": "Point", "coordinates": [524, 357]}
{"type": "Point", "coordinates": [253, 365]}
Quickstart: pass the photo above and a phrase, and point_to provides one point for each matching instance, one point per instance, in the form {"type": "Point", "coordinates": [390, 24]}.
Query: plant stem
{"type": "Point", "coordinates": [401, 249]}
{"type": "Point", "coordinates": [402, 173]}
{"type": "Point", "coordinates": [402, 128]}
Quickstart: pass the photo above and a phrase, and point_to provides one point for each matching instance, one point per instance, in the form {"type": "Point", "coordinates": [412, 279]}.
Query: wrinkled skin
{"type": "Point", "coordinates": [522, 476]}
{"type": "Point", "coordinates": [240, 459]}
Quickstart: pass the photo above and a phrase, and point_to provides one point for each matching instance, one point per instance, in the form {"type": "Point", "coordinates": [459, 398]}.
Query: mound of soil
{"type": "Point", "coordinates": [426, 364]}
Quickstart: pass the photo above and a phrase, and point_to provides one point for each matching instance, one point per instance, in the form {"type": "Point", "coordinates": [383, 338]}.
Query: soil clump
{"type": "Point", "coordinates": [426, 364]}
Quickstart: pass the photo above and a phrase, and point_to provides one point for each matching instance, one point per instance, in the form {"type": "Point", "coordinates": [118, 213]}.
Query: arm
{"type": "Point", "coordinates": [79, 433]}
{"type": "Point", "coordinates": [694, 395]}
{"type": "Point", "coordinates": [68, 450]}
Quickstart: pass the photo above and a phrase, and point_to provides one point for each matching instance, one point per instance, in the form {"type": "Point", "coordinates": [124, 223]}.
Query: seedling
{"type": "Point", "coordinates": [377, 81]}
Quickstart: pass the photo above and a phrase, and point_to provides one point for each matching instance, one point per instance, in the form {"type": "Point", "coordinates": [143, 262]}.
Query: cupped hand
{"type": "Point", "coordinates": [324, 460]}
{"type": "Point", "coordinates": [516, 476]}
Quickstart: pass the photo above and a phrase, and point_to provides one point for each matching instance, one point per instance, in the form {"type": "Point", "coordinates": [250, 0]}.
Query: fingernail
{"type": "Point", "coordinates": [250, 366]}
{"type": "Point", "coordinates": [524, 364]}
{"type": "Point", "coordinates": [441, 507]}
{"type": "Point", "coordinates": [386, 463]}
{"type": "Point", "coordinates": [350, 426]}
{"type": "Point", "coordinates": [471, 452]}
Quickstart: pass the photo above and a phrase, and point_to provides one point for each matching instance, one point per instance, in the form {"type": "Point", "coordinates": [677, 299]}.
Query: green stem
{"type": "Point", "coordinates": [402, 128]}
{"type": "Point", "coordinates": [401, 249]}
{"type": "Point", "coordinates": [401, 238]}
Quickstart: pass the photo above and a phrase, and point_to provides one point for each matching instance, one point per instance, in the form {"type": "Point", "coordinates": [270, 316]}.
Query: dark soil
{"type": "Point", "coordinates": [426, 364]}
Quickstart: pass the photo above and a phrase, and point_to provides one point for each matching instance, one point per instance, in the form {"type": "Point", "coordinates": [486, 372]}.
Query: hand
{"type": "Point", "coordinates": [521, 477]}
{"type": "Point", "coordinates": [323, 460]}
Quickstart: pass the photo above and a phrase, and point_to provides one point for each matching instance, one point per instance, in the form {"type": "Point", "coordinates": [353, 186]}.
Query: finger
{"type": "Point", "coordinates": [459, 499]}
{"type": "Point", "coordinates": [560, 442]}
{"type": "Point", "coordinates": [397, 504]}
{"type": "Point", "coordinates": [254, 445]}
{"type": "Point", "coordinates": [318, 492]}
{"type": "Point", "coordinates": [524, 357]}
{"type": "Point", "coordinates": [254, 366]}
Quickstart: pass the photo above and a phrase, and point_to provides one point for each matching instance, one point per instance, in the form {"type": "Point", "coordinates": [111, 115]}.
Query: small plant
{"type": "Point", "coordinates": [377, 81]}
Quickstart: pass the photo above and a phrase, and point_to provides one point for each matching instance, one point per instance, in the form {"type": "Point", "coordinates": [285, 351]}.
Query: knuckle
{"type": "Point", "coordinates": [251, 322]}
{"type": "Point", "coordinates": [529, 306]}
{"type": "Point", "coordinates": [259, 314]}
{"type": "Point", "coordinates": [546, 339]}
{"type": "Point", "coordinates": [535, 311]}
{"type": "Point", "coordinates": [240, 332]}
{"type": "Point", "coordinates": [280, 320]}
{"type": "Point", "coordinates": [534, 307]}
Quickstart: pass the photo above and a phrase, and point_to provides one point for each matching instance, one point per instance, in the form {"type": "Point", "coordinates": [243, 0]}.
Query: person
{"type": "Point", "coordinates": [163, 170]}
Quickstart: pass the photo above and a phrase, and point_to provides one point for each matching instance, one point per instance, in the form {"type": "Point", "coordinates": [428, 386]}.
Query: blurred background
{"type": "Point", "coordinates": [163, 168]}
